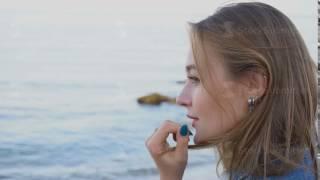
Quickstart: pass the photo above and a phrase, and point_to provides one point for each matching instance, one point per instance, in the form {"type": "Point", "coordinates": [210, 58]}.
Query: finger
{"type": "Point", "coordinates": [182, 140]}
{"type": "Point", "coordinates": [148, 139]}
{"type": "Point", "coordinates": [157, 144]}
{"type": "Point", "coordinates": [175, 136]}
{"type": "Point", "coordinates": [166, 128]}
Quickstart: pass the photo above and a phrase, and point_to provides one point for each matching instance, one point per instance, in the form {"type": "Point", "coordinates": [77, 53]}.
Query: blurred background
{"type": "Point", "coordinates": [70, 75]}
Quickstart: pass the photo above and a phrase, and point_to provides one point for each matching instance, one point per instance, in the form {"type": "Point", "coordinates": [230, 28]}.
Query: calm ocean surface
{"type": "Point", "coordinates": [68, 99]}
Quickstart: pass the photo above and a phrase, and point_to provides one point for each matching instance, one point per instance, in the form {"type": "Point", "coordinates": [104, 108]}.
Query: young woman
{"type": "Point", "coordinates": [251, 92]}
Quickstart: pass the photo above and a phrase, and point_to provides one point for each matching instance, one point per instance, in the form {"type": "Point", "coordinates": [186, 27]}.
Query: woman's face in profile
{"type": "Point", "coordinates": [207, 114]}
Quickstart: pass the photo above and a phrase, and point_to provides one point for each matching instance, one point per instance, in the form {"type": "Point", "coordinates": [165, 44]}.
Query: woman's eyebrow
{"type": "Point", "coordinates": [190, 67]}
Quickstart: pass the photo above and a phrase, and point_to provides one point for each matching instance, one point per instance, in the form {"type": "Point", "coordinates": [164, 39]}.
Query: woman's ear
{"type": "Point", "coordinates": [255, 83]}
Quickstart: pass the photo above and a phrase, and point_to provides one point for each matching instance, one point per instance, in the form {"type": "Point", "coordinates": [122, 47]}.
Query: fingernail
{"type": "Point", "coordinates": [184, 130]}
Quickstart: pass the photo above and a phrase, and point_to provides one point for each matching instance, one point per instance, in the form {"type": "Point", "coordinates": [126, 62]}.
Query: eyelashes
{"type": "Point", "coordinates": [194, 79]}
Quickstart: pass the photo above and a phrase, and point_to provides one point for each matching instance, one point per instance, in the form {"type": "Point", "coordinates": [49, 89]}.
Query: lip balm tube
{"type": "Point", "coordinates": [189, 134]}
{"type": "Point", "coordinates": [190, 130]}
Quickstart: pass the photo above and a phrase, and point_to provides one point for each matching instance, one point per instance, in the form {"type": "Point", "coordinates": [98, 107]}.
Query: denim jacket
{"type": "Point", "coordinates": [297, 174]}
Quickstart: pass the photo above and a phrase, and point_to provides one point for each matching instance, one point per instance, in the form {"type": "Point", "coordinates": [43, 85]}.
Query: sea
{"type": "Point", "coordinates": [68, 96]}
{"type": "Point", "coordinates": [69, 108]}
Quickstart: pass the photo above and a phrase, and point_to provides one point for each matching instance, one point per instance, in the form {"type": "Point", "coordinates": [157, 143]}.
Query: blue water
{"type": "Point", "coordinates": [82, 129]}
{"type": "Point", "coordinates": [68, 95]}
{"type": "Point", "coordinates": [68, 105]}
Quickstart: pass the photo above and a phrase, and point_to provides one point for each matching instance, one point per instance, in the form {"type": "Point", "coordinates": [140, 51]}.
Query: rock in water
{"type": "Point", "coordinates": [155, 99]}
{"type": "Point", "coordinates": [181, 82]}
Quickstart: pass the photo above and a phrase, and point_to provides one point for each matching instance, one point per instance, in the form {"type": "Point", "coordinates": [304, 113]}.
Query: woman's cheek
{"type": "Point", "coordinates": [196, 97]}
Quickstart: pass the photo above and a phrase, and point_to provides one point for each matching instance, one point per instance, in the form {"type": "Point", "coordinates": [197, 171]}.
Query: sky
{"type": "Point", "coordinates": [63, 10]}
{"type": "Point", "coordinates": [122, 13]}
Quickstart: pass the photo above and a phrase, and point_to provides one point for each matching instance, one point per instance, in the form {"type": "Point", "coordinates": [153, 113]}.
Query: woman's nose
{"type": "Point", "coordinates": [183, 99]}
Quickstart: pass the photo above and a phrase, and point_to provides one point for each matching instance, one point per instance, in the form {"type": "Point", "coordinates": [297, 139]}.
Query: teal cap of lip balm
{"type": "Point", "coordinates": [184, 130]}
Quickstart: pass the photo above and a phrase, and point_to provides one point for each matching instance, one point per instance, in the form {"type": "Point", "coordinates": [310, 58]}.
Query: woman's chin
{"type": "Point", "coordinates": [199, 140]}
{"type": "Point", "coordinates": [196, 139]}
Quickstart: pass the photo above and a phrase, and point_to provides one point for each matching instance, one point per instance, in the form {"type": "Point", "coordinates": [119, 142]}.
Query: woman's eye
{"type": "Point", "coordinates": [194, 79]}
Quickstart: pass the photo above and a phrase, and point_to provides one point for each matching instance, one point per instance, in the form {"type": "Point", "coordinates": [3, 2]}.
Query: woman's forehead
{"type": "Point", "coordinates": [211, 54]}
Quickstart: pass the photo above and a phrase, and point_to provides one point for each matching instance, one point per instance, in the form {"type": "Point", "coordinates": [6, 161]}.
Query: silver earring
{"type": "Point", "coordinates": [251, 103]}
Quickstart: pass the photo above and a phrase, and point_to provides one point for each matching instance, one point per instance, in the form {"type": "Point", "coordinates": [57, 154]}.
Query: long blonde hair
{"type": "Point", "coordinates": [257, 36]}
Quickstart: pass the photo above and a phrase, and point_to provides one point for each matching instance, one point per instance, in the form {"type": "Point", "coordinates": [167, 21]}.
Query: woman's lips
{"type": "Point", "coordinates": [191, 117]}
{"type": "Point", "coordinates": [194, 119]}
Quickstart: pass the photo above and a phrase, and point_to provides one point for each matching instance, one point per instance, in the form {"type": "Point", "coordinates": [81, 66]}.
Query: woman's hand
{"type": "Point", "coordinates": [171, 163]}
